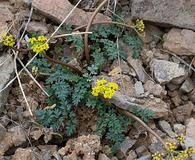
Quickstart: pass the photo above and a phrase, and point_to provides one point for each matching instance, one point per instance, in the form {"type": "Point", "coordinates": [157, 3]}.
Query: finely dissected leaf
{"type": "Point", "coordinates": [134, 42]}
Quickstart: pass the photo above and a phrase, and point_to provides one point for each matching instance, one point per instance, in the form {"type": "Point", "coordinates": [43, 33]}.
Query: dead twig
{"type": "Point", "coordinates": [71, 34]}
{"type": "Point", "coordinates": [63, 64]}
{"type": "Point", "coordinates": [181, 60]}
{"type": "Point", "coordinates": [130, 115]}
{"type": "Point", "coordinates": [88, 28]}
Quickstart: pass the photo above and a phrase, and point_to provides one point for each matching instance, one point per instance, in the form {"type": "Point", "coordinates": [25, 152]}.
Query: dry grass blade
{"type": "Point", "coordinates": [71, 34]}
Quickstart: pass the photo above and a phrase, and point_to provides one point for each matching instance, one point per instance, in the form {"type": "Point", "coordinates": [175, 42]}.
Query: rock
{"type": "Point", "coordinates": [190, 134]}
{"type": "Point", "coordinates": [48, 148]}
{"type": "Point", "coordinates": [165, 71]}
{"type": "Point", "coordinates": [172, 86]}
{"type": "Point", "coordinates": [180, 41]}
{"type": "Point", "coordinates": [4, 120]}
{"type": "Point", "coordinates": [39, 27]}
{"type": "Point", "coordinates": [103, 157]}
{"type": "Point", "coordinates": [87, 146]}
{"type": "Point", "coordinates": [59, 9]}
{"type": "Point", "coordinates": [139, 89]}
{"type": "Point", "coordinates": [6, 73]}
{"type": "Point", "coordinates": [146, 157]}
{"type": "Point", "coordinates": [167, 13]}
{"type": "Point", "coordinates": [190, 128]}
{"type": "Point", "coordinates": [187, 86]}
{"type": "Point", "coordinates": [155, 89]}
{"type": "Point", "coordinates": [23, 154]}
{"type": "Point", "coordinates": [125, 147]}
{"type": "Point", "coordinates": [192, 95]}
{"type": "Point", "coordinates": [182, 113]}
{"type": "Point", "coordinates": [36, 134]}
{"type": "Point", "coordinates": [166, 127]}
{"type": "Point", "coordinates": [18, 135]}
{"type": "Point", "coordinates": [5, 14]}
{"type": "Point", "coordinates": [156, 147]}
{"type": "Point", "coordinates": [141, 151]}
{"type": "Point", "coordinates": [152, 35]}
{"type": "Point", "coordinates": [179, 129]}
{"type": "Point", "coordinates": [159, 107]}
{"type": "Point", "coordinates": [2, 132]}
{"type": "Point", "coordinates": [131, 155]}
{"type": "Point", "coordinates": [137, 66]}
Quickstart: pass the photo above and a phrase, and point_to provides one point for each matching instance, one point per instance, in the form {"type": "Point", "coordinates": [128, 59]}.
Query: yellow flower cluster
{"type": "Point", "coordinates": [171, 146]}
{"type": "Point", "coordinates": [107, 89]}
{"type": "Point", "coordinates": [140, 26]}
{"type": "Point", "coordinates": [157, 156]}
{"type": "Point", "coordinates": [180, 138]}
{"type": "Point", "coordinates": [8, 40]}
{"type": "Point", "coordinates": [39, 44]}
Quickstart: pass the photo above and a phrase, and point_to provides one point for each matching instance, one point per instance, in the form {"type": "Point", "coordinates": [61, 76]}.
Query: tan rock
{"type": "Point", "coordinates": [59, 9]}
{"type": "Point", "coordinates": [23, 154]}
{"type": "Point", "coordinates": [180, 41]}
{"type": "Point", "coordinates": [37, 27]}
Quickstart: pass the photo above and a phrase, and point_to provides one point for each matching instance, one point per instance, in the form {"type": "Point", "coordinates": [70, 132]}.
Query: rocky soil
{"type": "Point", "coordinates": [162, 79]}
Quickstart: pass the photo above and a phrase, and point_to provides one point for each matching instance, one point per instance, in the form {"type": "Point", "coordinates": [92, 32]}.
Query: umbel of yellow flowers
{"type": "Point", "coordinates": [39, 44]}
{"type": "Point", "coordinates": [104, 88]}
{"type": "Point", "coordinates": [8, 40]}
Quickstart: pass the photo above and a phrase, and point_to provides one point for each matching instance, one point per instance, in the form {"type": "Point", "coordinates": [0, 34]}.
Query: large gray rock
{"type": "Point", "coordinates": [180, 13]}
{"type": "Point", "coordinates": [166, 71]}
{"type": "Point", "coordinates": [180, 41]}
{"type": "Point", "coordinates": [159, 107]}
{"type": "Point", "coordinates": [59, 9]}
{"type": "Point", "coordinates": [6, 73]}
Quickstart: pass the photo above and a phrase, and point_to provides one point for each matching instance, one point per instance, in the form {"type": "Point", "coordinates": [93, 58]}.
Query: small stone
{"type": "Point", "coordinates": [125, 147]}
{"type": "Point", "coordinates": [103, 157]}
{"type": "Point", "coordinates": [23, 154]}
{"type": "Point", "coordinates": [187, 86]}
{"type": "Point", "coordinates": [2, 132]}
{"type": "Point", "coordinates": [141, 151]}
{"type": "Point", "coordinates": [18, 135]}
{"type": "Point", "coordinates": [172, 86]}
{"type": "Point", "coordinates": [192, 95]}
{"type": "Point", "coordinates": [155, 89]}
{"type": "Point", "coordinates": [39, 27]}
{"type": "Point", "coordinates": [166, 127]}
{"type": "Point", "coordinates": [36, 134]}
{"type": "Point", "coordinates": [146, 157]}
{"type": "Point", "coordinates": [139, 89]}
{"type": "Point", "coordinates": [182, 113]}
{"type": "Point", "coordinates": [165, 71]}
{"type": "Point", "coordinates": [4, 120]}
{"type": "Point", "coordinates": [131, 155]}
{"type": "Point", "coordinates": [179, 129]}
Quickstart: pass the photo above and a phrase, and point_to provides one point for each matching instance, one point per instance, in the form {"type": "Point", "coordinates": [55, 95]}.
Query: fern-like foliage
{"type": "Point", "coordinates": [134, 42]}
{"type": "Point", "coordinates": [145, 114]}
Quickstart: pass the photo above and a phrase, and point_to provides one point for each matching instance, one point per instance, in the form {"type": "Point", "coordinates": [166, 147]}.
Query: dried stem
{"type": "Point", "coordinates": [144, 125]}
{"type": "Point", "coordinates": [88, 28]}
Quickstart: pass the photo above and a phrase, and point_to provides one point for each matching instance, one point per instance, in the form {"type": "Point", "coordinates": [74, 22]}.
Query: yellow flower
{"type": "Point", "coordinates": [183, 154]}
{"type": "Point", "coordinates": [39, 44]}
{"type": "Point", "coordinates": [171, 146]}
{"type": "Point", "coordinates": [113, 86]}
{"type": "Point", "coordinates": [8, 40]}
{"type": "Point", "coordinates": [95, 91]}
{"type": "Point", "coordinates": [180, 138]}
{"type": "Point", "coordinates": [157, 156]}
{"type": "Point", "coordinates": [107, 90]}
{"type": "Point", "coordinates": [175, 158]}
{"type": "Point", "coordinates": [140, 25]}
{"type": "Point", "coordinates": [101, 82]}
